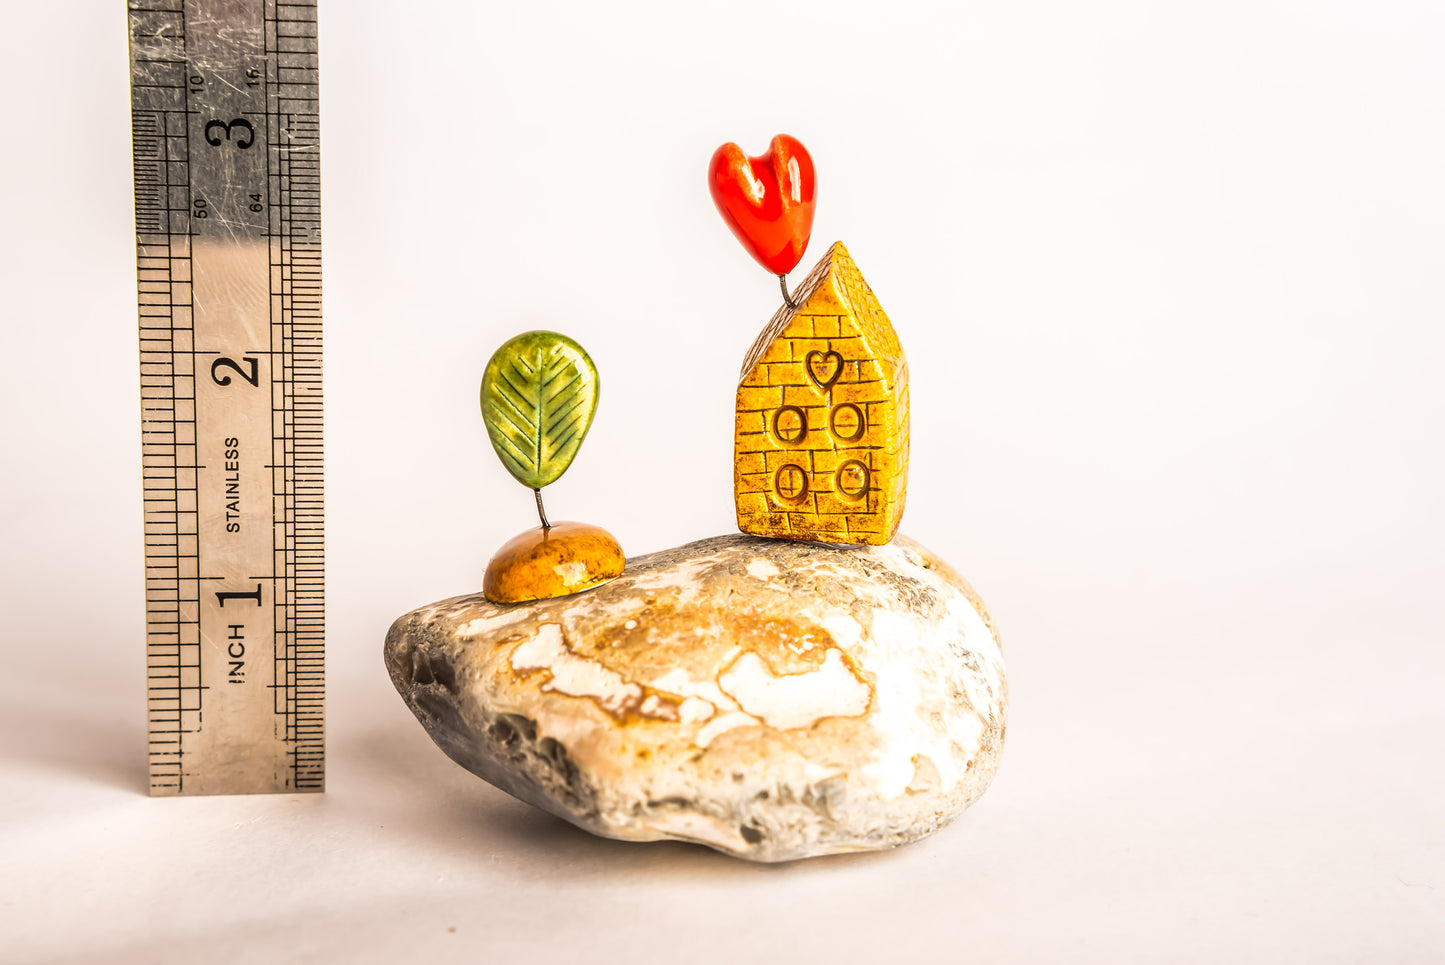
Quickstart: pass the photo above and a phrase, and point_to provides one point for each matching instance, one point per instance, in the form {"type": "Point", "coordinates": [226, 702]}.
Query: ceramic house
{"type": "Point", "coordinates": [821, 441]}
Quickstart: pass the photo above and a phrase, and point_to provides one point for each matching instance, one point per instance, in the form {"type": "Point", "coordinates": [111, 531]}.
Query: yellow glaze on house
{"type": "Point", "coordinates": [820, 449]}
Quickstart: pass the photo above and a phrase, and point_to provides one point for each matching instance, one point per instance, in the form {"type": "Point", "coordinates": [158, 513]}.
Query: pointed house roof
{"type": "Point", "coordinates": [835, 286]}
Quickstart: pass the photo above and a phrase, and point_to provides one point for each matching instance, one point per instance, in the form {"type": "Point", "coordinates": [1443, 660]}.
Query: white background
{"type": "Point", "coordinates": [1170, 281]}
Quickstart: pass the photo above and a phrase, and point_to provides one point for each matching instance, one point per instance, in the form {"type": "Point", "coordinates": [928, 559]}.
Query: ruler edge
{"type": "Point", "coordinates": [315, 772]}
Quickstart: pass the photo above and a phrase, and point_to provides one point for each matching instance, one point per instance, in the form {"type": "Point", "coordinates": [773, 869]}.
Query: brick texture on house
{"type": "Point", "coordinates": [821, 440]}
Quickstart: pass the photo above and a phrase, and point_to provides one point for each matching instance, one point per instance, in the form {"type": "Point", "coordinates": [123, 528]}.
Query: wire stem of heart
{"type": "Point", "coordinates": [783, 284]}
{"type": "Point", "coordinates": [541, 513]}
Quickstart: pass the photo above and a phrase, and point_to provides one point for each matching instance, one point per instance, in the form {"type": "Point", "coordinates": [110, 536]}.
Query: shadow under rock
{"type": "Point", "coordinates": [455, 811]}
{"type": "Point", "coordinates": [91, 740]}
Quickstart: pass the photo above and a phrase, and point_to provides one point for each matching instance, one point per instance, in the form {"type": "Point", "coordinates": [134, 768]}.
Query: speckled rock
{"type": "Point", "coordinates": [773, 700]}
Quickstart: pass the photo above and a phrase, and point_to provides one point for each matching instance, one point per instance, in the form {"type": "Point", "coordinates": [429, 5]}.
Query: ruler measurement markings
{"type": "Point", "coordinates": [304, 719]}
{"type": "Point", "coordinates": [283, 694]}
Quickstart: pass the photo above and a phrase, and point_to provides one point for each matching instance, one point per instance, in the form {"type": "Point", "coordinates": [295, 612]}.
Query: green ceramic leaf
{"type": "Point", "coordinates": [539, 394]}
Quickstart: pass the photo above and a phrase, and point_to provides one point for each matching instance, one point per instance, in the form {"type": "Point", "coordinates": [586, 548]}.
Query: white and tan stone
{"type": "Point", "coordinates": [773, 700]}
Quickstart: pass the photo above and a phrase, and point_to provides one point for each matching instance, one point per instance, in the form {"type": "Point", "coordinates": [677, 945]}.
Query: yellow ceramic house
{"type": "Point", "coordinates": [821, 444]}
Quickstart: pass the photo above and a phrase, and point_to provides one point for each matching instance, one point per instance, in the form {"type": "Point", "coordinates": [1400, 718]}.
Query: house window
{"type": "Point", "coordinates": [847, 422]}
{"type": "Point", "coordinates": [851, 480]}
{"type": "Point", "coordinates": [790, 485]}
{"type": "Point", "coordinates": [790, 425]}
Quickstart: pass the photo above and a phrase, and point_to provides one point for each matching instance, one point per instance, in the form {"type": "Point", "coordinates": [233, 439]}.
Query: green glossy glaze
{"type": "Point", "coordinates": [539, 394]}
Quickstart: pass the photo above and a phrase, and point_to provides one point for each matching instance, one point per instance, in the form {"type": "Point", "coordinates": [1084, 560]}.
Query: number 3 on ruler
{"type": "Point", "coordinates": [247, 138]}
{"type": "Point", "coordinates": [224, 362]}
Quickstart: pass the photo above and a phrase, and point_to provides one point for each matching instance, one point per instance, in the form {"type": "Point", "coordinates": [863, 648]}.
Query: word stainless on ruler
{"type": "Point", "coordinates": [225, 133]}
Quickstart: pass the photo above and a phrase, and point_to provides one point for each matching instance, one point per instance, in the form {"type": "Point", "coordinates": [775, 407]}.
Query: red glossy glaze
{"type": "Point", "coordinates": [767, 201]}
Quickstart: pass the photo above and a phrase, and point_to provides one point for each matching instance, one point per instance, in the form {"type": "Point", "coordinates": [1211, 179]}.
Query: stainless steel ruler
{"type": "Point", "coordinates": [225, 131]}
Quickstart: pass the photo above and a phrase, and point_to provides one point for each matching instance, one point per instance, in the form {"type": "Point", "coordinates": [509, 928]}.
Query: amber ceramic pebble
{"type": "Point", "coordinates": [544, 563]}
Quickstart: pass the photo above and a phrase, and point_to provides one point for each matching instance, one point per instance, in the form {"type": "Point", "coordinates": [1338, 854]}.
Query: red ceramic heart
{"type": "Point", "coordinates": [767, 201]}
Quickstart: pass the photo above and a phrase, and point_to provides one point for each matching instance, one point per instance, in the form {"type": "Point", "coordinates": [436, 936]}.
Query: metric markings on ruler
{"type": "Point", "coordinates": [227, 183]}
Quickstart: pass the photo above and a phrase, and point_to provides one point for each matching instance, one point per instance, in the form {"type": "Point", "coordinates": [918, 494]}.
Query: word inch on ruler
{"type": "Point", "coordinates": [225, 132]}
